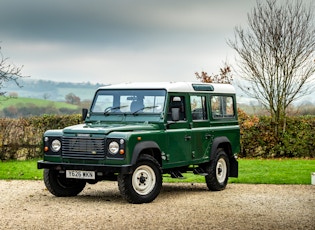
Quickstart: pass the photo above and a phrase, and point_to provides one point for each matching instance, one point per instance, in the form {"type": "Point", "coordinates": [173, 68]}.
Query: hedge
{"type": "Point", "coordinates": [258, 139]}
{"type": "Point", "coordinates": [22, 138]}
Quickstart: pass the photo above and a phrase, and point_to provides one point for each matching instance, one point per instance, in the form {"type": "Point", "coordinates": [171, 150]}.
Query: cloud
{"type": "Point", "coordinates": [114, 41]}
{"type": "Point", "coordinates": [110, 21]}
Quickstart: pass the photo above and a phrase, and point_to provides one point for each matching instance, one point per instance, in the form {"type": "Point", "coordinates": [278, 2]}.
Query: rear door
{"type": "Point", "coordinates": [200, 128]}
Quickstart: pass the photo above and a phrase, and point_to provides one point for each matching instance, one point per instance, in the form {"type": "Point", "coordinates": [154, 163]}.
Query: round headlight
{"type": "Point", "coordinates": [113, 147]}
{"type": "Point", "coordinates": [55, 145]}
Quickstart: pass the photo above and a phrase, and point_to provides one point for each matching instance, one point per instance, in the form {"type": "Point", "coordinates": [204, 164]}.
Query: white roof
{"type": "Point", "coordinates": [174, 86]}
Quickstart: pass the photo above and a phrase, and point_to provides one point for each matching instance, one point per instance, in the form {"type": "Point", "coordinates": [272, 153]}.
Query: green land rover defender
{"type": "Point", "coordinates": [136, 132]}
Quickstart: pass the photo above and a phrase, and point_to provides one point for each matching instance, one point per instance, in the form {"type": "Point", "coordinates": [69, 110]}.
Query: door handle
{"type": "Point", "coordinates": [208, 136]}
{"type": "Point", "coordinates": [187, 138]}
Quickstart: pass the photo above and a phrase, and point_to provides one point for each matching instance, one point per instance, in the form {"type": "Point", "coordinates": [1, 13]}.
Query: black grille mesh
{"type": "Point", "coordinates": [83, 148]}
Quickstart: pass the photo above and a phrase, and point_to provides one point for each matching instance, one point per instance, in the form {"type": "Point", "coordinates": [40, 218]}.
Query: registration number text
{"type": "Point", "coordinates": [78, 174]}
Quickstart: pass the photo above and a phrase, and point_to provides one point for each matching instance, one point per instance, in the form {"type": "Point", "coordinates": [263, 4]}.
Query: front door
{"type": "Point", "coordinates": [178, 135]}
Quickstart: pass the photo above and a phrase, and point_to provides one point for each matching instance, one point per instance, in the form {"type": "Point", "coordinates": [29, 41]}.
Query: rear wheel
{"type": "Point", "coordinates": [218, 172]}
{"type": "Point", "coordinates": [144, 184]}
{"type": "Point", "coordinates": [59, 185]}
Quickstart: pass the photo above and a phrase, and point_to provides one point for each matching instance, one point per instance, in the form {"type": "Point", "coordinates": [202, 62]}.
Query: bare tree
{"type": "Point", "coordinates": [46, 96]}
{"type": "Point", "coordinates": [8, 72]}
{"type": "Point", "coordinates": [71, 98]}
{"type": "Point", "coordinates": [276, 55]}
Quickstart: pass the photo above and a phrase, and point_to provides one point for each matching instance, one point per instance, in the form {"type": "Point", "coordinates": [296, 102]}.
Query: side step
{"type": "Point", "coordinates": [176, 174]}
{"type": "Point", "coordinates": [200, 171]}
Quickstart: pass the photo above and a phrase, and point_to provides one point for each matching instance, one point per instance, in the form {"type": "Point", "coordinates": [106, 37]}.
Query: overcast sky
{"type": "Point", "coordinates": [110, 41]}
{"type": "Point", "coordinates": [113, 41]}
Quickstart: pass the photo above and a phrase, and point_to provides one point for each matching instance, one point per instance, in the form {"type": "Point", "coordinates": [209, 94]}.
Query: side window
{"type": "Point", "coordinates": [222, 107]}
{"type": "Point", "coordinates": [198, 108]}
{"type": "Point", "coordinates": [178, 103]}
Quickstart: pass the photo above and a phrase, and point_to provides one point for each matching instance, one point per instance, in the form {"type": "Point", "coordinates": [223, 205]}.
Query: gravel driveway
{"type": "Point", "coordinates": [28, 205]}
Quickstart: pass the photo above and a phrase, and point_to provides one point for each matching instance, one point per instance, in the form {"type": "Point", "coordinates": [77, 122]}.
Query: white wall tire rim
{"type": "Point", "coordinates": [143, 180]}
{"type": "Point", "coordinates": [221, 170]}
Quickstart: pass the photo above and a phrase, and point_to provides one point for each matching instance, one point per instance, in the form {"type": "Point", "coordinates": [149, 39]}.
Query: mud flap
{"type": "Point", "coordinates": [233, 167]}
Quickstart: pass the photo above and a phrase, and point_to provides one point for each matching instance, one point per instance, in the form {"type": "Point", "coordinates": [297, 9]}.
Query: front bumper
{"type": "Point", "coordinates": [124, 169]}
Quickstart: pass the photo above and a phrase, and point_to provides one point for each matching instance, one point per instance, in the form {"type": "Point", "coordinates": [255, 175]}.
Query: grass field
{"type": "Point", "coordinates": [251, 171]}
{"type": "Point", "coordinates": [21, 101]}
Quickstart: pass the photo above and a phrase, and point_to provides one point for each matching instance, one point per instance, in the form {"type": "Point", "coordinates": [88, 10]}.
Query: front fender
{"type": "Point", "coordinates": [142, 146]}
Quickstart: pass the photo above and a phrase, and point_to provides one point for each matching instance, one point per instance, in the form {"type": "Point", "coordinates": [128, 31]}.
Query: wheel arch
{"type": "Point", "coordinates": [146, 147]}
{"type": "Point", "coordinates": [221, 143]}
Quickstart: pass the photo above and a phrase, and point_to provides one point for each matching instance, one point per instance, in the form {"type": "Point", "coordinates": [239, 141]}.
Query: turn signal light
{"type": "Point", "coordinates": [46, 149]}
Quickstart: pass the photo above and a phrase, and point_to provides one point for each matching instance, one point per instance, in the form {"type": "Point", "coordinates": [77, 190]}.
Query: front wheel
{"type": "Point", "coordinates": [59, 185]}
{"type": "Point", "coordinates": [218, 172]}
{"type": "Point", "coordinates": [144, 184]}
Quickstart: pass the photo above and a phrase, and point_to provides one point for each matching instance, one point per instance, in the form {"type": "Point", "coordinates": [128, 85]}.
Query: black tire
{"type": "Point", "coordinates": [144, 184]}
{"type": "Point", "coordinates": [59, 185]}
{"type": "Point", "coordinates": [218, 172]}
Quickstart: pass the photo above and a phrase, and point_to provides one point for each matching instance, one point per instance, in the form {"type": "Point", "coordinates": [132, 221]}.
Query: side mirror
{"type": "Point", "coordinates": [84, 114]}
{"type": "Point", "coordinates": [175, 114]}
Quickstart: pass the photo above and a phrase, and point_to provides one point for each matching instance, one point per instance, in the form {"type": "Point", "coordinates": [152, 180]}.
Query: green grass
{"type": "Point", "coordinates": [280, 171]}
{"type": "Point", "coordinates": [22, 101]}
{"type": "Point", "coordinates": [260, 171]}
{"type": "Point", "coordinates": [23, 170]}
{"type": "Point", "coordinates": [251, 171]}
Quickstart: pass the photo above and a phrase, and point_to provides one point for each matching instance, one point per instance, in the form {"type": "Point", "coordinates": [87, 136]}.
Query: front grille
{"type": "Point", "coordinates": [83, 148]}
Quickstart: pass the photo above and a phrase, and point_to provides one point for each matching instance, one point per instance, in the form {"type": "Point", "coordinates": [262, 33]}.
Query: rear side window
{"type": "Point", "coordinates": [222, 107]}
{"type": "Point", "coordinates": [198, 107]}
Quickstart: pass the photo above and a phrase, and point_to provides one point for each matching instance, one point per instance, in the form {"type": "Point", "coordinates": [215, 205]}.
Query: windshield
{"type": "Point", "coordinates": [124, 101]}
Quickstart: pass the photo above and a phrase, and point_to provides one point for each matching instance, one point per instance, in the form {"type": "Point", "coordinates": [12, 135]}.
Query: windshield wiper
{"type": "Point", "coordinates": [146, 107]}
{"type": "Point", "coordinates": [111, 109]}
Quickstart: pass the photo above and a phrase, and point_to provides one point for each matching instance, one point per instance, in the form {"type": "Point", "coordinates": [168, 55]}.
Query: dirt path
{"type": "Point", "coordinates": [28, 205]}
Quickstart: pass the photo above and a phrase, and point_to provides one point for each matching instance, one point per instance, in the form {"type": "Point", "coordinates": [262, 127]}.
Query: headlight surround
{"type": "Point", "coordinates": [55, 145]}
{"type": "Point", "coordinates": [113, 147]}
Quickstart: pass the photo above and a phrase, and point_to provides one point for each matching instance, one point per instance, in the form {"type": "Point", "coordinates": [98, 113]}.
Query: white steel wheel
{"type": "Point", "coordinates": [221, 170]}
{"type": "Point", "coordinates": [143, 180]}
{"type": "Point", "coordinates": [144, 184]}
{"type": "Point", "coordinates": [218, 171]}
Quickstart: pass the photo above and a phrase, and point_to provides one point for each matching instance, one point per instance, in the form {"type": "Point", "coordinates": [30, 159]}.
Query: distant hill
{"type": "Point", "coordinates": [56, 91]}
{"type": "Point", "coordinates": [22, 101]}
{"type": "Point", "coordinates": [51, 90]}
{"type": "Point", "coordinates": [25, 107]}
